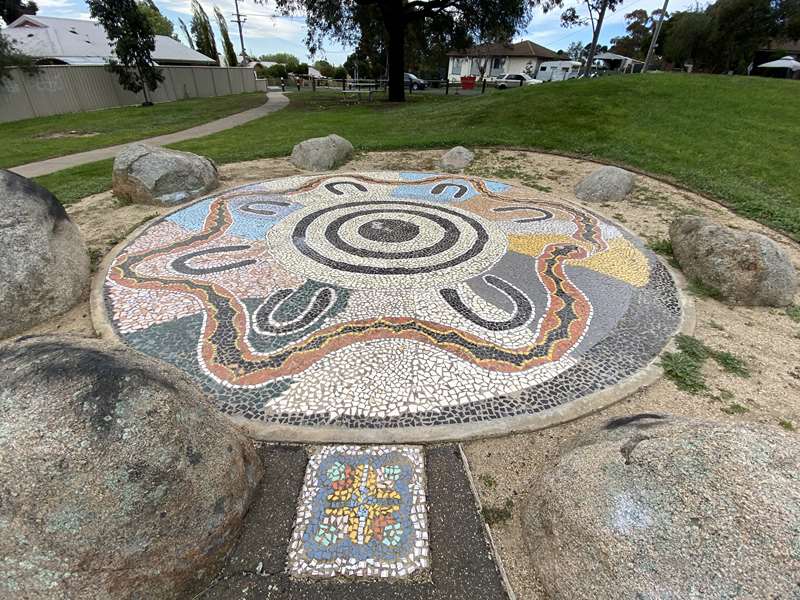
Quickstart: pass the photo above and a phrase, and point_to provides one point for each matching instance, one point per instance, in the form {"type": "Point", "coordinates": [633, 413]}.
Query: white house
{"type": "Point", "coordinates": [57, 41]}
{"type": "Point", "coordinates": [499, 59]}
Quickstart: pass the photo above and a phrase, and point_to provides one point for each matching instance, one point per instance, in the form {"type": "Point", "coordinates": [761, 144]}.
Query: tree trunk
{"type": "Point", "coordinates": [598, 26]}
{"type": "Point", "coordinates": [395, 22]}
{"type": "Point", "coordinates": [144, 88]}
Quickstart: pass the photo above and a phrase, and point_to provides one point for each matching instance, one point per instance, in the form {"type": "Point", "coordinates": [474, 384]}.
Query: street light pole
{"type": "Point", "coordinates": [654, 41]}
{"type": "Point", "coordinates": [240, 18]}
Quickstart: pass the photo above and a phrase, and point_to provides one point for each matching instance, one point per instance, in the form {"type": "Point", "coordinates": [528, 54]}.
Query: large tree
{"type": "Point", "coordinates": [133, 40]}
{"type": "Point", "coordinates": [161, 24]}
{"type": "Point", "coordinates": [204, 41]}
{"type": "Point", "coordinates": [339, 19]}
{"type": "Point", "coordinates": [14, 9]}
{"type": "Point", "coordinates": [687, 38]}
{"type": "Point", "coordinates": [227, 45]}
{"type": "Point", "coordinates": [639, 34]}
{"type": "Point", "coordinates": [585, 12]}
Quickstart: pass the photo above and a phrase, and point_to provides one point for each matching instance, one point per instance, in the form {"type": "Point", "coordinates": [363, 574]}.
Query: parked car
{"type": "Point", "coordinates": [414, 82]}
{"type": "Point", "coordinates": [514, 80]}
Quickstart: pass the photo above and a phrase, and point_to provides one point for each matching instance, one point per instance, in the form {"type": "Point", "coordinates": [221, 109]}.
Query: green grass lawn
{"type": "Point", "coordinates": [734, 138]}
{"type": "Point", "coordinates": [45, 137]}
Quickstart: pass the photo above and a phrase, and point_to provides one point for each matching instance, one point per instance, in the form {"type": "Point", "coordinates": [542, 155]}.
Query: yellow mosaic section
{"type": "Point", "coordinates": [621, 261]}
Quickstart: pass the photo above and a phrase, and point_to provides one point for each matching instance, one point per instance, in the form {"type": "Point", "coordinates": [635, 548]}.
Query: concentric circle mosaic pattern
{"type": "Point", "coordinates": [391, 300]}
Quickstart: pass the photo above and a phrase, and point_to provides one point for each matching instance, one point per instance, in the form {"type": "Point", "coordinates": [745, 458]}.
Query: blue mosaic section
{"type": "Point", "coordinates": [362, 504]}
{"type": "Point", "coordinates": [455, 189]}
{"type": "Point", "coordinates": [252, 215]}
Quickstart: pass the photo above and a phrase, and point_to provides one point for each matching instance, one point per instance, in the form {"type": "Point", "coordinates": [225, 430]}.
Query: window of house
{"type": "Point", "coordinates": [456, 68]}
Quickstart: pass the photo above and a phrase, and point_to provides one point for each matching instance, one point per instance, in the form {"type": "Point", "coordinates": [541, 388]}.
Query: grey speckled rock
{"type": "Point", "coordinates": [120, 480]}
{"type": "Point", "coordinates": [153, 175]}
{"type": "Point", "coordinates": [322, 154]}
{"type": "Point", "coordinates": [456, 159]}
{"type": "Point", "coordinates": [744, 267]}
{"type": "Point", "coordinates": [653, 507]}
{"type": "Point", "coordinates": [44, 266]}
{"type": "Point", "coordinates": [606, 184]}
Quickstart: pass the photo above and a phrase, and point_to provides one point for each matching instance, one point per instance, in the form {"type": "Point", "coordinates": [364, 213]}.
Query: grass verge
{"type": "Point", "coordinates": [46, 137]}
{"type": "Point", "coordinates": [717, 135]}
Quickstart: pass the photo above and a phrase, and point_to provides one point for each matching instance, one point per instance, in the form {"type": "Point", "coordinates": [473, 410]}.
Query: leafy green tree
{"type": "Point", "coordinates": [639, 34]}
{"type": "Point", "coordinates": [283, 58]}
{"type": "Point", "coordinates": [277, 71]}
{"type": "Point", "coordinates": [687, 37]}
{"type": "Point", "coordinates": [204, 41]}
{"type": "Point", "coordinates": [227, 46]}
{"type": "Point", "coordinates": [575, 51]}
{"type": "Point", "coordinates": [740, 28]}
{"type": "Point", "coordinates": [12, 57]}
{"type": "Point", "coordinates": [161, 24]}
{"type": "Point", "coordinates": [14, 9]}
{"type": "Point", "coordinates": [133, 40]}
{"type": "Point", "coordinates": [325, 68]}
{"type": "Point", "coordinates": [339, 19]}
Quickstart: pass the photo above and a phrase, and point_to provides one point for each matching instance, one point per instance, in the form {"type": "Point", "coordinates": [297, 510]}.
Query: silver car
{"type": "Point", "coordinates": [515, 80]}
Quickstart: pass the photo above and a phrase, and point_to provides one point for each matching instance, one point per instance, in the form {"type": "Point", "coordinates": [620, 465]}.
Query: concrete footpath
{"type": "Point", "coordinates": [275, 102]}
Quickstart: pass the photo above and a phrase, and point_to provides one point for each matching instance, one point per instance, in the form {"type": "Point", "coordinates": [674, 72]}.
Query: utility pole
{"type": "Point", "coordinates": [240, 18]}
{"type": "Point", "coordinates": [595, 37]}
{"type": "Point", "coordinates": [654, 41]}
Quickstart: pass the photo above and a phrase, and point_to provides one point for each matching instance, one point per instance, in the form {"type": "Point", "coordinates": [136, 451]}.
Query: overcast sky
{"type": "Point", "coordinates": [265, 33]}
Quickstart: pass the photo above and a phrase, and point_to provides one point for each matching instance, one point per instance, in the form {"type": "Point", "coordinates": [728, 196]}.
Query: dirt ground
{"type": "Point", "coordinates": [767, 339]}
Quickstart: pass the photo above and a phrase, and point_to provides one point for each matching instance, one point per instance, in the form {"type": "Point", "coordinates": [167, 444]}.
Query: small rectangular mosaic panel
{"type": "Point", "coordinates": [361, 513]}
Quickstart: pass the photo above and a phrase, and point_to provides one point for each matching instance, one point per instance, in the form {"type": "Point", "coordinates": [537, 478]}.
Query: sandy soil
{"type": "Point", "coordinates": [505, 468]}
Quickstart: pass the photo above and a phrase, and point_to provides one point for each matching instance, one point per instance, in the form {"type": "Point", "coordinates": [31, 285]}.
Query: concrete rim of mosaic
{"type": "Point", "coordinates": [461, 202]}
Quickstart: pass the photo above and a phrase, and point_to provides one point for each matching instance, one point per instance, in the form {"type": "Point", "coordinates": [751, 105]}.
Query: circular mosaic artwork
{"type": "Point", "coordinates": [391, 305]}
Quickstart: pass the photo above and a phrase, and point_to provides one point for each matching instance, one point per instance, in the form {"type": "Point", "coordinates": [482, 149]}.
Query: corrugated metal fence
{"type": "Point", "coordinates": [65, 89]}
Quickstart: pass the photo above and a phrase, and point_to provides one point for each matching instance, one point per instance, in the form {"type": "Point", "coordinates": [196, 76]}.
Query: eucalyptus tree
{"type": "Point", "coordinates": [204, 41]}
{"type": "Point", "coordinates": [227, 45]}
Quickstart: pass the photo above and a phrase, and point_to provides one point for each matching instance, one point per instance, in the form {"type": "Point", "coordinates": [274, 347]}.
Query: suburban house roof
{"type": "Point", "coordinates": [523, 48]}
{"type": "Point", "coordinates": [77, 42]}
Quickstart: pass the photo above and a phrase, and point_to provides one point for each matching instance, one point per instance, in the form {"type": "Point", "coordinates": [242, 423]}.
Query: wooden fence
{"type": "Point", "coordinates": [65, 89]}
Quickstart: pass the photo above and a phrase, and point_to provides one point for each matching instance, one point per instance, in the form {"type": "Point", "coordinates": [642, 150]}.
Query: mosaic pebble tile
{"type": "Point", "coordinates": [361, 513]}
{"type": "Point", "coordinates": [391, 300]}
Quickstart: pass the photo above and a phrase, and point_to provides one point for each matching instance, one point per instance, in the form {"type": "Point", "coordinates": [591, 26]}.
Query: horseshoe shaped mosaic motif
{"type": "Point", "coordinates": [390, 301]}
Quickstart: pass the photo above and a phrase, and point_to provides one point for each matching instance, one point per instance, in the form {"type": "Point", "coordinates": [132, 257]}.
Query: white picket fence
{"type": "Point", "coordinates": [65, 89]}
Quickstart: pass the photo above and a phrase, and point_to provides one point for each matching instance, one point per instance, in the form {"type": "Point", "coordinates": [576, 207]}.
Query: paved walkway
{"type": "Point", "coordinates": [276, 102]}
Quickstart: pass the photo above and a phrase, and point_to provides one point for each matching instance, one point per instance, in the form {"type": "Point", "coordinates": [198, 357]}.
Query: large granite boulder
{"type": "Point", "coordinates": [322, 154]}
{"type": "Point", "coordinates": [44, 266]}
{"type": "Point", "coordinates": [652, 506]}
{"type": "Point", "coordinates": [743, 267]}
{"type": "Point", "coordinates": [456, 159]}
{"type": "Point", "coordinates": [154, 175]}
{"type": "Point", "coordinates": [119, 479]}
{"type": "Point", "coordinates": [606, 184]}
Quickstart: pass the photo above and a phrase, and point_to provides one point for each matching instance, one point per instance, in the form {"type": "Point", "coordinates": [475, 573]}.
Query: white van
{"type": "Point", "coordinates": [558, 70]}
